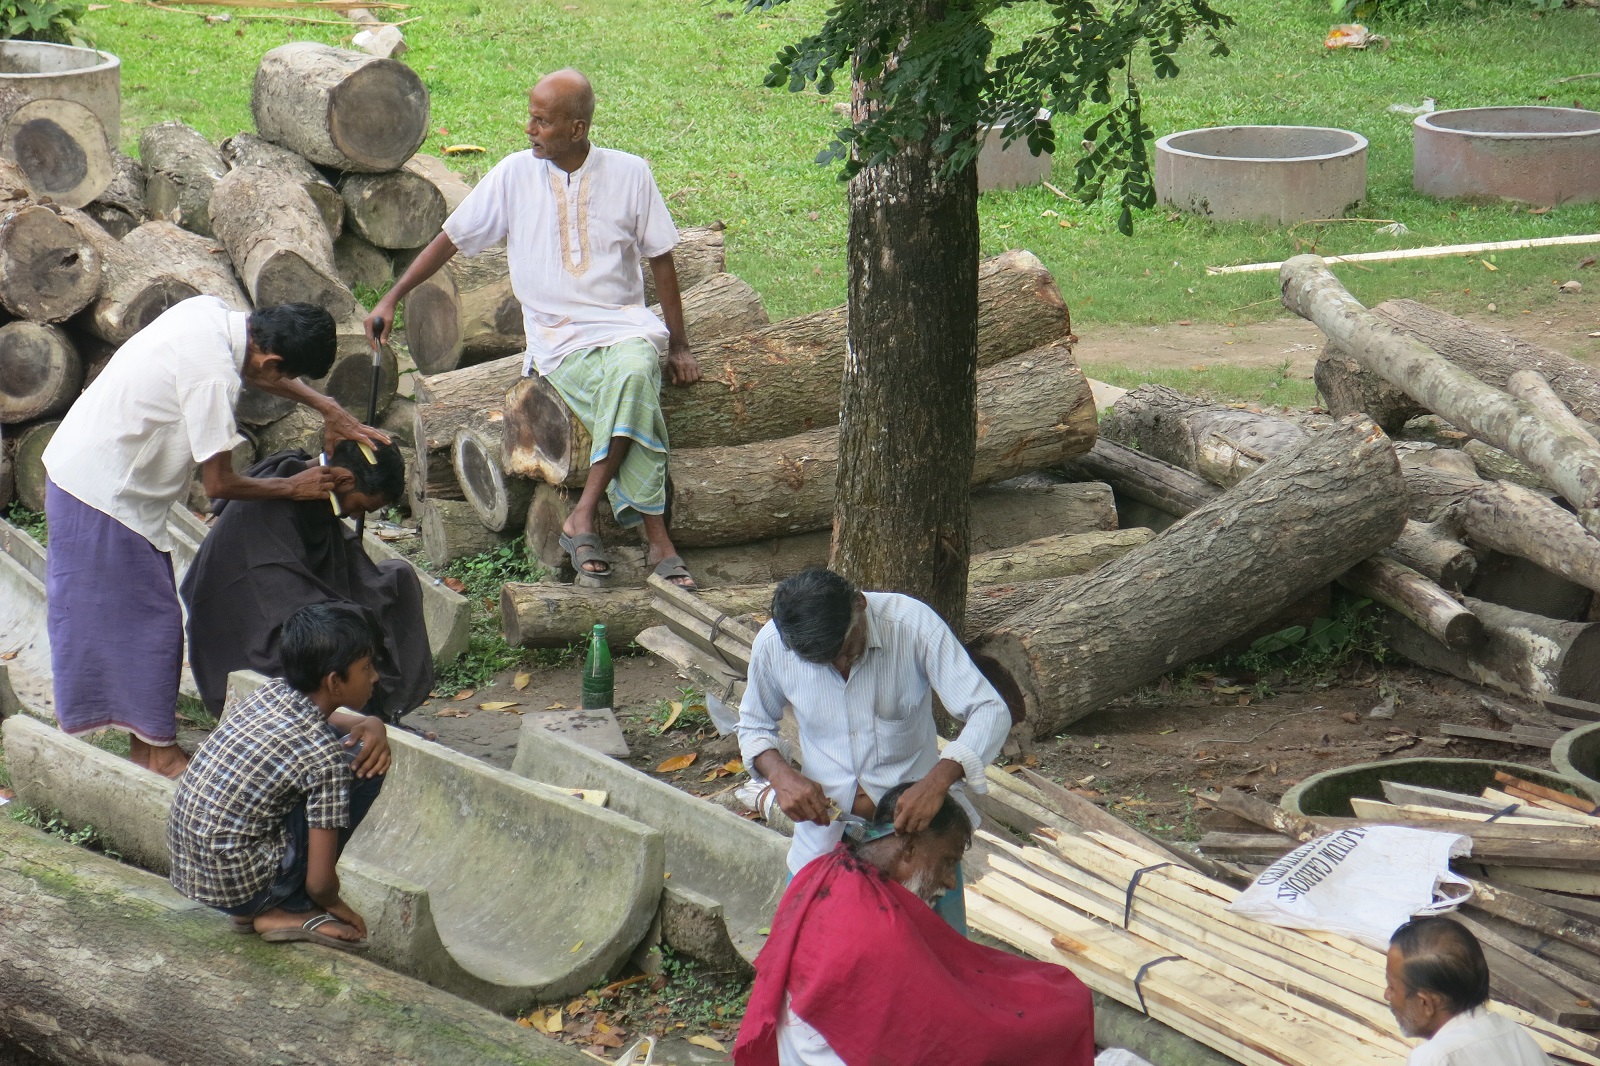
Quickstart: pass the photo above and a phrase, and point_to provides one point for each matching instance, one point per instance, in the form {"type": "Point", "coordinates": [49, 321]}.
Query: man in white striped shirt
{"type": "Point", "coordinates": [860, 671]}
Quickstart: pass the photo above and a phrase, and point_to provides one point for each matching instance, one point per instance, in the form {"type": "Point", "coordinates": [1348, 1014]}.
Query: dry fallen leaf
{"type": "Point", "coordinates": [705, 1042]}
{"type": "Point", "coordinates": [526, 1023]}
{"type": "Point", "coordinates": [677, 709]}
{"type": "Point", "coordinates": [575, 947]}
{"type": "Point", "coordinates": [455, 712]}
{"type": "Point", "coordinates": [734, 766]}
{"type": "Point", "coordinates": [453, 585]}
{"type": "Point", "coordinates": [497, 705]}
{"type": "Point", "coordinates": [464, 694]}
{"type": "Point", "coordinates": [521, 681]}
{"type": "Point", "coordinates": [677, 762]}
{"type": "Point", "coordinates": [553, 1024]}
{"type": "Point", "coordinates": [8, 656]}
{"type": "Point", "coordinates": [556, 707]}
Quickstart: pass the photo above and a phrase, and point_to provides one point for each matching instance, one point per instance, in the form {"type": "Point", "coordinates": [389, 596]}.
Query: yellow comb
{"type": "Point", "coordinates": [366, 450]}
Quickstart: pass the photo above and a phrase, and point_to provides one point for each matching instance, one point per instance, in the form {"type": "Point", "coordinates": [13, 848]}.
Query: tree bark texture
{"type": "Point", "coordinates": [121, 206]}
{"type": "Point", "coordinates": [435, 426]}
{"type": "Point", "coordinates": [340, 109]}
{"type": "Point", "coordinates": [181, 169]}
{"type": "Point", "coordinates": [466, 313]}
{"type": "Point", "coordinates": [499, 499]}
{"type": "Point", "coordinates": [1525, 654]}
{"type": "Point", "coordinates": [451, 185]}
{"type": "Point", "coordinates": [359, 262]}
{"type": "Point", "coordinates": [27, 462]}
{"type": "Point", "coordinates": [1493, 464]}
{"type": "Point", "coordinates": [49, 257]}
{"type": "Point", "coordinates": [300, 428]}
{"type": "Point", "coordinates": [278, 242]}
{"type": "Point", "coordinates": [1418, 599]}
{"type": "Point", "coordinates": [153, 268]}
{"type": "Point", "coordinates": [248, 150]}
{"type": "Point", "coordinates": [907, 425]}
{"type": "Point", "coordinates": [1348, 388]}
{"type": "Point", "coordinates": [548, 510]}
{"type": "Point", "coordinates": [1435, 550]}
{"type": "Point", "coordinates": [8, 473]}
{"type": "Point", "coordinates": [40, 372]}
{"type": "Point", "coordinates": [103, 963]}
{"type": "Point", "coordinates": [1530, 385]}
{"type": "Point", "coordinates": [451, 531]}
{"type": "Point", "coordinates": [63, 147]}
{"type": "Point", "coordinates": [1151, 481]}
{"type": "Point", "coordinates": [1514, 426]}
{"type": "Point", "coordinates": [398, 209]}
{"type": "Point", "coordinates": [1330, 502]}
{"type": "Point", "coordinates": [1221, 444]}
{"type": "Point", "coordinates": [1034, 411]}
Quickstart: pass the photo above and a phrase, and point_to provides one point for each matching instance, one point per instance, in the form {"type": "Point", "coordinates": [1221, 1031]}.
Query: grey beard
{"type": "Point", "coordinates": [917, 885]}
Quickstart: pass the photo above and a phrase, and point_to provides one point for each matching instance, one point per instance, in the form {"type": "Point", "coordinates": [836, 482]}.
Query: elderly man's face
{"type": "Point", "coordinates": [552, 131]}
{"type": "Point", "coordinates": [927, 864]}
{"type": "Point", "coordinates": [1419, 1014]}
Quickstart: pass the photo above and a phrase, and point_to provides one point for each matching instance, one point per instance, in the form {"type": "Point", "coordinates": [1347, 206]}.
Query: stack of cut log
{"type": "Point", "coordinates": [1492, 577]}
{"type": "Point", "coordinates": [325, 197]}
{"type": "Point", "coordinates": [1534, 853]}
{"type": "Point", "coordinates": [755, 445]}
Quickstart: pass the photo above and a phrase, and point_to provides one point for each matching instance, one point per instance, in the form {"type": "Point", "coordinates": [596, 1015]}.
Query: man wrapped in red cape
{"type": "Point", "coordinates": [859, 970]}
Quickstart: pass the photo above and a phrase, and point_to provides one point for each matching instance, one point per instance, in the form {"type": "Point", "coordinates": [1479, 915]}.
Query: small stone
{"type": "Point", "coordinates": [1492, 307]}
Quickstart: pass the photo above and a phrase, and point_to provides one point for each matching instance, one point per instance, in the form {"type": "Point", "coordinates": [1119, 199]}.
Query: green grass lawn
{"type": "Point", "coordinates": [679, 81]}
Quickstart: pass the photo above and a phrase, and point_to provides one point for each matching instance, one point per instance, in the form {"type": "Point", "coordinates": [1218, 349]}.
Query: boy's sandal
{"type": "Point", "coordinates": [671, 569]}
{"type": "Point", "coordinates": [585, 548]}
{"type": "Point", "coordinates": [307, 933]}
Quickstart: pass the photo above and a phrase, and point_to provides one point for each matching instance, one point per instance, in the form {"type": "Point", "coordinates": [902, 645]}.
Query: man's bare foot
{"type": "Point", "coordinates": [280, 921]}
{"type": "Point", "coordinates": [168, 760]}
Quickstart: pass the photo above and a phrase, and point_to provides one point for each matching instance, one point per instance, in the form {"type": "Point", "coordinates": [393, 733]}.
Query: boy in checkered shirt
{"type": "Point", "coordinates": [270, 799]}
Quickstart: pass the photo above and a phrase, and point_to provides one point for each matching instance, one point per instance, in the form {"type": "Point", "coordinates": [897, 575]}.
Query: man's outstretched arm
{"type": "Point", "coordinates": [427, 263]}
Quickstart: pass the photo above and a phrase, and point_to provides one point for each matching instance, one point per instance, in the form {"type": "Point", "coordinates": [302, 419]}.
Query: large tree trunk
{"type": "Point", "coordinates": [1565, 459]}
{"type": "Point", "coordinates": [279, 245]}
{"type": "Point", "coordinates": [400, 209]}
{"type": "Point", "coordinates": [451, 531]}
{"type": "Point", "coordinates": [1330, 502]}
{"type": "Point", "coordinates": [340, 109]}
{"type": "Point", "coordinates": [181, 170]}
{"type": "Point", "coordinates": [548, 510]}
{"type": "Point", "coordinates": [1525, 654]}
{"type": "Point", "coordinates": [466, 313]}
{"type": "Point", "coordinates": [152, 268]}
{"type": "Point", "coordinates": [121, 206]}
{"type": "Point", "coordinates": [248, 150]}
{"type": "Point", "coordinates": [1034, 411]}
{"type": "Point", "coordinates": [103, 963]}
{"type": "Point", "coordinates": [500, 499]}
{"type": "Point", "coordinates": [40, 372]}
{"type": "Point", "coordinates": [27, 463]}
{"type": "Point", "coordinates": [49, 258]}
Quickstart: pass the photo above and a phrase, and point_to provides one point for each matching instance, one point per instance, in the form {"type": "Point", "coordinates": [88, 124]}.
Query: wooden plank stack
{"type": "Point", "coordinates": [329, 195]}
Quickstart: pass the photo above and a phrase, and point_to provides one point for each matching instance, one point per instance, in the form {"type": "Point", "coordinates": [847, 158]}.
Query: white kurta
{"type": "Point", "coordinates": [876, 730]}
{"type": "Point", "coordinates": [573, 242]}
{"type": "Point", "coordinates": [801, 1045]}
{"type": "Point", "coordinates": [1479, 1037]}
{"type": "Point", "coordinates": [162, 405]}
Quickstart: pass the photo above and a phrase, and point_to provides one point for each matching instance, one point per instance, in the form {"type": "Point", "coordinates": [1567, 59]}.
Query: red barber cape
{"type": "Point", "coordinates": [887, 983]}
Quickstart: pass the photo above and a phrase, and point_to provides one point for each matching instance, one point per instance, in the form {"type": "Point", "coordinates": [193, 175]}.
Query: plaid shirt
{"type": "Point", "coordinates": [226, 832]}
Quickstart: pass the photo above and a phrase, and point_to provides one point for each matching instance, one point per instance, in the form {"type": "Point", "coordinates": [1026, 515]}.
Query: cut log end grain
{"type": "Point", "coordinates": [62, 148]}
{"type": "Point", "coordinates": [27, 463]}
{"type": "Point", "coordinates": [400, 209]}
{"type": "Point", "coordinates": [350, 379]}
{"type": "Point", "coordinates": [340, 109]}
{"type": "Point", "coordinates": [498, 498]}
{"type": "Point", "coordinates": [40, 372]}
{"type": "Point", "coordinates": [49, 263]}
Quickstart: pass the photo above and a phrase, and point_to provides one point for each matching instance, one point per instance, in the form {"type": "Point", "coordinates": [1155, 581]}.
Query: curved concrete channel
{"type": "Point", "coordinates": [1538, 155]}
{"type": "Point", "coordinates": [1280, 174]}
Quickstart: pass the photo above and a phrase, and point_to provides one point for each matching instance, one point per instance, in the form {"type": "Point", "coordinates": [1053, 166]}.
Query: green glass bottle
{"type": "Point", "coordinates": [598, 680]}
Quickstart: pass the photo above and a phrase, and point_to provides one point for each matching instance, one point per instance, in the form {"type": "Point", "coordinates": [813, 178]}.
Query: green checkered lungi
{"type": "Point", "coordinates": [616, 392]}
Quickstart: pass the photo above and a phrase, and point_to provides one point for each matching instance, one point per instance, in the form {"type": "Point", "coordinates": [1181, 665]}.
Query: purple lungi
{"type": "Point", "coordinates": [116, 626]}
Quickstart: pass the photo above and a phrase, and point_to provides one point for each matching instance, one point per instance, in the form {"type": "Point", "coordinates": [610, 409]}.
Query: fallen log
{"type": "Point", "coordinates": [499, 499]}
{"type": "Point", "coordinates": [1221, 444]}
{"type": "Point", "coordinates": [466, 313]}
{"type": "Point", "coordinates": [451, 531]}
{"type": "Point", "coordinates": [153, 268]}
{"type": "Point", "coordinates": [350, 379]}
{"type": "Point", "coordinates": [181, 170]}
{"type": "Point", "coordinates": [1348, 388]}
{"type": "Point", "coordinates": [27, 463]}
{"type": "Point", "coordinates": [61, 145]}
{"type": "Point", "coordinates": [1062, 555]}
{"type": "Point", "coordinates": [1563, 458]}
{"type": "Point", "coordinates": [1150, 481]}
{"type": "Point", "coordinates": [359, 262]}
{"type": "Point", "coordinates": [782, 379]}
{"type": "Point", "coordinates": [1034, 411]}
{"type": "Point", "coordinates": [49, 261]}
{"type": "Point", "coordinates": [1492, 464]}
{"type": "Point", "coordinates": [1332, 501]}
{"type": "Point", "coordinates": [248, 150]}
{"type": "Point", "coordinates": [277, 241]}
{"type": "Point", "coordinates": [40, 372]}
{"type": "Point", "coordinates": [1418, 600]}
{"type": "Point", "coordinates": [1531, 386]}
{"type": "Point", "coordinates": [121, 206]}
{"type": "Point", "coordinates": [1524, 654]}
{"type": "Point", "coordinates": [1433, 549]}
{"type": "Point", "coordinates": [541, 531]}
{"type": "Point", "coordinates": [79, 931]}
{"type": "Point", "coordinates": [8, 474]}
{"type": "Point", "coordinates": [340, 109]}
{"type": "Point", "coordinates": [397, 209]}
{"type": "Point", "coordinates": [451, 185]}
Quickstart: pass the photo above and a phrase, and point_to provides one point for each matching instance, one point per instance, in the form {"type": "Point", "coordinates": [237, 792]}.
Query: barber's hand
{"type": "Point", "coordinates": [312, 483]}
{"type": "Point", "coordinates": [682, 367]}
{"type": "Point", "coordinates": [339, 424]}
{"type": "Point", "coordinates": [374, 757]}
{"type": "Point", "coordinates": [801, 798]}
{"type": "Point", "coordinates": [919, 803]}
{"type": "Point", "coordinates": [385, 311]}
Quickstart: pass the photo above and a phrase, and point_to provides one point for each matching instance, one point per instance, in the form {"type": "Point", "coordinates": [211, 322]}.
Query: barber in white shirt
{"type": "Point", "coordinates": [860, 671]}
{"type": "Point", "coordinates": [1438, 989]}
